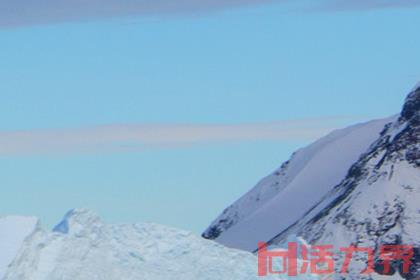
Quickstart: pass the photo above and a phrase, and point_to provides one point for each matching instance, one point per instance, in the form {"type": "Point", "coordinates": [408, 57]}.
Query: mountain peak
{"type": "Point", "coordinates": [412, 105]}
{"type": "Point", "coordinates": [78, 220]}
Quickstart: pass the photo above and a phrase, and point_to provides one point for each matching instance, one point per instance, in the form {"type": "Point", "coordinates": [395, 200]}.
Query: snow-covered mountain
{"type": "Point", "coordinates": [359, 186]}
{"type": "Point", "coordinates": [82, 247]}
{"type": "Point", "coordinates": [282, 198]}
{"type": "Point", "coordinates": [378, 203]}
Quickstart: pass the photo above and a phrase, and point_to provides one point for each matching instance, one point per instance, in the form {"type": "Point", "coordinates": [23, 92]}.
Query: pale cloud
{"type": "Point", "coordinates": [346, 5]}
{"type": "Point", "coordinates": [16, 13]}
{"type": "Point", "coordinates": [125, 138]}
{"type": "Point", "coordinates": [28, 12]}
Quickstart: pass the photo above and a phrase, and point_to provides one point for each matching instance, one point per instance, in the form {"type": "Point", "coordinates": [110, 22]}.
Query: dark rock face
{"type": "Point", "coordinates": [411, 106]}
{"type": "Point", "coordinates": [212, 233]}
{"type": "Point", "coordinates": [409, 140]}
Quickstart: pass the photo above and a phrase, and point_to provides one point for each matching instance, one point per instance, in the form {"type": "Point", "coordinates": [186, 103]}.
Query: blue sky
{"type": "Point", "coordinates": [167, 113]}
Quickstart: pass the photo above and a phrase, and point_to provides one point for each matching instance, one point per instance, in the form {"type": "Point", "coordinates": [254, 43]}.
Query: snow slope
{"type": "Point", "coordinates": [13, 232]}
{"type": "Point", "coordinates": [282, 198]}
{"type": "Point", "coordinates": [82, 247]}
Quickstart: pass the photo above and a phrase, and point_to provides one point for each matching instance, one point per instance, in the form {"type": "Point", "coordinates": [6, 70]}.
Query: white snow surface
{"type": "Point", "coordinates": [281, 199]}
{"type": "Point", "coordinates": [13, 231]}
{"type": "Point", "coordinates": [82, 247]}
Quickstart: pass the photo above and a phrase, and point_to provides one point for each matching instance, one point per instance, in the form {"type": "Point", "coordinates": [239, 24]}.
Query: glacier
{"type": "Point", "coordinates": [83, 247]}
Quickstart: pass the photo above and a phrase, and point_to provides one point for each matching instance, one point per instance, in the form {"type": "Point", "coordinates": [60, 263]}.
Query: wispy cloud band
{"type": "Point", "coordinates": [346, 5]}
{"type": "Point", "coordinates": [123, 138]}
{"type": "Point", "coordinates": [27, 12]}
{"type": "Point", "coordinates": [15, 13]}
